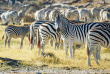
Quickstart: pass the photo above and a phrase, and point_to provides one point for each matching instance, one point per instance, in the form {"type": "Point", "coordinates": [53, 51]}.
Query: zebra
{"type": "Point", "coordinates": [84, 14]}
{"type": "Point", "coordinates": [9, 16]}
{"type": "Point", "coordinates": [96, 38]}
{"type": "Point", "coordinates": [74, 34]}
{"type": "Point", "coordinates": [40, 14]}
{"type": "Point", "coordinates": [52, 15]}
{"type": "Point", "coordinates": [47, 31]}
{"type": "Point", "coordinates": [105, 15]}
{"type": "Point", "coordinates": [70, 13]}
{"type": "Point", "coordinates": [15, 32]}
{"type": "Point", "coordinates": [34, 28]}
{"type": "Point", "coordinates": [33, 31]}
{"type": "Point", "coordinates": [96, 14]}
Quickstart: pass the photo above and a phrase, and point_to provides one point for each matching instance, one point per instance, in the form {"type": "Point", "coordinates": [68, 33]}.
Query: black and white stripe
{"type": "Point", "coordinates": [74, 34]}
{"type": "Point", "coordinates": [33, 31]}
{"type": "Point", "coordinates": [48, 31]}
{"type": "Point", "coordinates": [96, 38]}
{"type": "Point", "coordinates": [15, 32]}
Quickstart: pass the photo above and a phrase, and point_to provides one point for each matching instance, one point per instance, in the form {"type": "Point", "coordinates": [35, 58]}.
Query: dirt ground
{"type": "Point", "coordinates": [55, 71]}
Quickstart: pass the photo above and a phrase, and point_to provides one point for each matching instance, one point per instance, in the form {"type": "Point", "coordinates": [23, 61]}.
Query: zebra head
{"type": "Point", "coordinates": [18, 20]}
{"type": "Point", "coordinates": [61, 22]}
{"type": "Point", "coordinates": [58, 22]}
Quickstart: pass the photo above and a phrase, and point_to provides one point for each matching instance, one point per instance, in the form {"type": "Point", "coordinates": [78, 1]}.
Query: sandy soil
{"type": "Point", "coordinates": [55, 71]}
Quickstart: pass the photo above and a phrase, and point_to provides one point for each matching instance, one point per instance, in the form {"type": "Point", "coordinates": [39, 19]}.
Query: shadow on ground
{"type": "Point", "coordinates": [11, 62]}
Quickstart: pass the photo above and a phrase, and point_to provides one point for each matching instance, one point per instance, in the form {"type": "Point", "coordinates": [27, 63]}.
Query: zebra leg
{"type": "Point", "coordinates": [98, 52]}
{"type": "Point", "coordinates": [66, 48]}
{"type": "Point", "coordinates": [74, 47]}
{"type": "Point", "coordinates": [97, 18]}
{"type": "Point", "coordinates": [39, 49]}
{"type": "Point", "coordinates": [6, 40]}
{"type": "Point", "coordinates": [32, 45]}
{"type": "Point", "coordinates": [61, 45]}
{"type": "Point", "coordinates": [42, 46]}
{"type": "Point", "coordinates": [13, 21]}
{"type": "Point", "coordinates": [34, 41]}
{"type": "Point", "coordinates": [51, 42]}
{"type": "Point", "coordinates": [9, 39]}
{"type": "Point", "coordinates": [95, 56]}
{"type": "Point", "coordinates": [70, 49]}
{"type": "Point", "coordinates": [102, 18]}
{"type": "Point", "coordinates": [3, 20]}
{"type": "Point", "coordinates": [90, 52]}
{"type": "Point", "coordinates": [80, 18]}
{"type": "Point", "coordinates": [56, 46]}
{"type": "Point", "coordinates": [21, 43]}
{"type": "Point", "coordinates": [85, 19]}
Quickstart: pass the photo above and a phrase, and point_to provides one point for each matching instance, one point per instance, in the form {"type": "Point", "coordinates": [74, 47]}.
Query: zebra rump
{"type": "Point", "coordinates": [96, 38]}
{"type": "Point", "coordinates": [33, 31]}
{"type": "Point", "coordinates": [47, 31]}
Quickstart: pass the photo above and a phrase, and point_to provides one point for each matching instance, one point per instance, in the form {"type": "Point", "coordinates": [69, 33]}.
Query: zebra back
{"type": "Point", "coordinates": [47, 30]}
{"type": "Point", "coordinates": [99, 36]}
{"type": "Point", "coordinates": [17, 31]}
{"type": "Point", "coordinates": [76, 32]}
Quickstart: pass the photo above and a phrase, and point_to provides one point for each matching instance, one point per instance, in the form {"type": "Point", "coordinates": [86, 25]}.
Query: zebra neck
{"type": "Point", "coordinates": [64, 29]}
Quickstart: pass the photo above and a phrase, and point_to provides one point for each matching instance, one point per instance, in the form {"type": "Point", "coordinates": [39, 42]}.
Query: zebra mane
{"type": "Point", "coordinates": [19, 26]}
{"type": "Point", "coordinates": [65, 20]}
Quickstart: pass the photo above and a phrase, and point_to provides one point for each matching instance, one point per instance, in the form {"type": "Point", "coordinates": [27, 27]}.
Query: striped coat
{"type": "Point", "coordinates": [74, 34]}
{"type": "Point", "coordinates": [96, 38]}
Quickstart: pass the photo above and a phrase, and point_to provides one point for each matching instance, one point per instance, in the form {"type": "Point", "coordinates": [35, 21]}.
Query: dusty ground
{"type": "Point", "coordinates": [51, 71]}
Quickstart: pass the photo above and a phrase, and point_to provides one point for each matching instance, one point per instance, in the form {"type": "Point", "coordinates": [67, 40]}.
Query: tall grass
{"type": "Point", "coordinates": [58, 60]}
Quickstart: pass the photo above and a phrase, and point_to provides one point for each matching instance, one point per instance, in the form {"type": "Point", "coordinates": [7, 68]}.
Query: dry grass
{"type": "Point", "coordinates": [30, 57]}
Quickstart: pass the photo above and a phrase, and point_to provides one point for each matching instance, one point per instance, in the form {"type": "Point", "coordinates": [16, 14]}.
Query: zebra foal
{"type": "Point", "coordinates": [15, 32]}
{"type": "Point", "coordinates": [96, 38]}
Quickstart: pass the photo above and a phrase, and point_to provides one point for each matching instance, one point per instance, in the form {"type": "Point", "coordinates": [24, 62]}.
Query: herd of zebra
{"type": "Point", "coordinates": [49, 13]}
{"type": "Point", "coordinates": [64, 32]}
{"type": "Point", "coordinates": [82, 14]}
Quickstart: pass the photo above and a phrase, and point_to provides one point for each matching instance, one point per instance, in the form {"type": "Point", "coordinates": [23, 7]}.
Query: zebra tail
{"type": "Point", "coordinates": [31, 34]}
{"type": "Point", "coordinates": [3, 37]}
{"type": "Point", "coordinates": [87, 50]}
{"type": "Point", "coordinates": [29, 39]}
{"type": "Point", "coordinates": [38, 39]}
{"type": "Point", "coordinates": [87, 45]}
